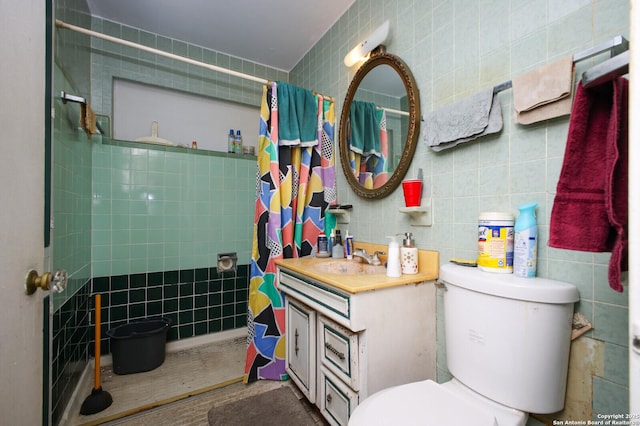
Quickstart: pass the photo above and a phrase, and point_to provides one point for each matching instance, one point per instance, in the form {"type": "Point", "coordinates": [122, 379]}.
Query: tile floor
{"type": "Point", "coordinates": [193, 411]}
{"type": "Point", "coordinates": [182, 390]}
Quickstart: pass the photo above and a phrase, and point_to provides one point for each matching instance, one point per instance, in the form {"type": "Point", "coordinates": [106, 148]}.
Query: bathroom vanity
{"type": "Point", "coordinates": [352, 331]}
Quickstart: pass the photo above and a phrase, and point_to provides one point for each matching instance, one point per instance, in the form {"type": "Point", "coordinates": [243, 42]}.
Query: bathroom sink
{"type": "Point", "coordinates": [348, 267]}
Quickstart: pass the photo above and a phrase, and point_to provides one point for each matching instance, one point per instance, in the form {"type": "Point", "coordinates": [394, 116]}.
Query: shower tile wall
{"type": "Point", "coordinates": [165, 209]}
{"type": "Point", "coordinates": [67, 314]}
{"type": "Point", "coordinates": [455, 48]}
{"type": "Point", "coordinates": [197, 301]}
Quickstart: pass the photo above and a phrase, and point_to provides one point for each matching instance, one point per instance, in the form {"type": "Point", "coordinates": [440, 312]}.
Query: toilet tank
{"type": "Point", "coordinates": [507, 337]}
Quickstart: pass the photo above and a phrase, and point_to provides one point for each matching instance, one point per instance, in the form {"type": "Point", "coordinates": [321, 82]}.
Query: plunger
{"type": "Point", "coordinates": [99, 399]}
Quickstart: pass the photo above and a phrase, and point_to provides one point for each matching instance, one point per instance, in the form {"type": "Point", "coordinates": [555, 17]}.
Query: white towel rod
{"type": "Point", "coordinates": [62, 24]}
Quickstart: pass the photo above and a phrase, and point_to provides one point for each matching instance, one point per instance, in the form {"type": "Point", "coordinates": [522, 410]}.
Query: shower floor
{"type": "Point", "coordinates": [183, 374]}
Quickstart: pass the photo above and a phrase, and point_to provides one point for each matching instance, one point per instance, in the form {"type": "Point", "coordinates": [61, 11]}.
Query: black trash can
{"type": "Point", "coordinates": [139, 346]}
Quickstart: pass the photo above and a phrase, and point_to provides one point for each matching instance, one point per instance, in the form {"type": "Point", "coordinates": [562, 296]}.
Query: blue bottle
{"type": "Point", "coordinates": [525, 245]}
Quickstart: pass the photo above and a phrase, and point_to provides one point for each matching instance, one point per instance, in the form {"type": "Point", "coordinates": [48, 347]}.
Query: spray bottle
{"type": "Point", "coordinates": [525, 247]}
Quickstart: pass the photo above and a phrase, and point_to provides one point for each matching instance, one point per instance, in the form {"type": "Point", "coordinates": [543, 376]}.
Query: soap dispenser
{"type": "Point", "coordinates": [409, 254]}
{"type": "Point", "coordinates": [393, 260]}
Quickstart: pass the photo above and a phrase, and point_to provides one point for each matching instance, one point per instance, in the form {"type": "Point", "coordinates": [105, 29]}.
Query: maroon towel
{"type": "Point", "coordinates": [590, 208]}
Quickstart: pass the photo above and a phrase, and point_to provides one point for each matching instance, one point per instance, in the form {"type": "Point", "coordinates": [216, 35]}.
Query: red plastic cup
{"type": "Point", "coordinates": [412, 192]}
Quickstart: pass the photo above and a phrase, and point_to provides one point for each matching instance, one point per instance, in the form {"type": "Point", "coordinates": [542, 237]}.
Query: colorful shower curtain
{"type": "Point", "coordinates": [368, 152]}
{"type": "Point", "coordinates": [295, 184]}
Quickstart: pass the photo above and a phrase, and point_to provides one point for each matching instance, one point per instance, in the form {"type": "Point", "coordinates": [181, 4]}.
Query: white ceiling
{"type": "Point", "coordinates": [276, 33]}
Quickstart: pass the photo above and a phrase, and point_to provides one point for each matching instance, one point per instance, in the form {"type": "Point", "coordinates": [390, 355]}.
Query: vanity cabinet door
{"type": "Point", "coordinates": [301, 347]}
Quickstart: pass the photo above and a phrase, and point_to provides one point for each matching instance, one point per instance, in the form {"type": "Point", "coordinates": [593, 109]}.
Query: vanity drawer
{"type": "Point", "coordinates": [338, 349]}
{"type": "Point", "coordinates": [337, 400]}
{"type": "Point", "coordinates": [316, 295]}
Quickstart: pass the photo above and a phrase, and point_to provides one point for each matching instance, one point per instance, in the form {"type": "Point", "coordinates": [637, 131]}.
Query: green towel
{"type": "Point", "coordinates": [297, 116]}
{"type": "Point", "coordinates": [365, 128]}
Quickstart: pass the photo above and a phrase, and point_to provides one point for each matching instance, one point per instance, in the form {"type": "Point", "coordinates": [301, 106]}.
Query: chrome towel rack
{"type": "Point", "coordinates": [619, 50]}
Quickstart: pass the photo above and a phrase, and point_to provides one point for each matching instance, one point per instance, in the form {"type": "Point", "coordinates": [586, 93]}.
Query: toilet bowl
{"type": "Point", "coordinates": [495, 326]}
{"type": "Point", "coordinates": [429, 403]}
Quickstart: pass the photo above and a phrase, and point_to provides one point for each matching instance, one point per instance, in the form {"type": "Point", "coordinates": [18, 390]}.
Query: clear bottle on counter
{"type": "Point", "coordinates": [238, 143]}
{"type": "Point", "coordinates": [338, 249]}
{"type": "Point", "coordinates": [231, 140]}
{"type": "Point", "coordinates": [332, 241]}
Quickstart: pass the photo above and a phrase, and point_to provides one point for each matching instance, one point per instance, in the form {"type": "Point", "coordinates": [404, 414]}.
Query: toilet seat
{"type": "Point", "coordinates": [420, 403]}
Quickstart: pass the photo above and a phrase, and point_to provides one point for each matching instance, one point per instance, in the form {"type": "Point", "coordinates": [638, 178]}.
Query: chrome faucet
{"type": "Point", "coordinates": [371, 260]}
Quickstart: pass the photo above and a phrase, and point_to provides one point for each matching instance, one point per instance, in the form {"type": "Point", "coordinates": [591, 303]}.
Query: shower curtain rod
{"type": "Point", "coordinates": [394, 111]}
{"type": "Point", "coordinates": [62, 24]}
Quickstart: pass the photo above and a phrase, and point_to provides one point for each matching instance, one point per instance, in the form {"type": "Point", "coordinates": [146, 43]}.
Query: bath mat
{"type": "Point", "coordinates": [274, 408]}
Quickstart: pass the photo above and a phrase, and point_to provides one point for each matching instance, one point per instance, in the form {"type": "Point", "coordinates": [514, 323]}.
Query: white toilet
{"type": "Point", "coordinates": [507, 341]}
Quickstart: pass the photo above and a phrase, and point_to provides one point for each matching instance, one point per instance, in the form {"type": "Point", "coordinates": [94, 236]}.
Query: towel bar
{"type": "Point", "coordinates": [616, 46]}
{"type": "Point", "coordinates": [66, 97]}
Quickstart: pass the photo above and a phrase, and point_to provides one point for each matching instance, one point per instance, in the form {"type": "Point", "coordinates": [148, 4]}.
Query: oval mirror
{"type": "Point", "coordinates": [379, 126]}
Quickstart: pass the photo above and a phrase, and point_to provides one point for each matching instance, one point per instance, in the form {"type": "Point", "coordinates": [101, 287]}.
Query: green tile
{"type": "Point", "coordinates": [609, 398]}
{"type": "Point", "coordinates": [170, 305]}
{"type": "Point", "coordinates": [616, 364]}
{"type": "Point", "coordinates": [611, 323]}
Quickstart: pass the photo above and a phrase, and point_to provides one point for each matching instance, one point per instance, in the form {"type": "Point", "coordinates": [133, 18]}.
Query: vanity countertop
{"type": "Point", "coordinates": [428, 262]}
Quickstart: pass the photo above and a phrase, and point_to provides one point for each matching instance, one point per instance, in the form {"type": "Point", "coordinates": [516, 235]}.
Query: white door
{"type": "Point", "coordinates": [634, 211]}
{"type": "Point", "coordinates": [22, 118]}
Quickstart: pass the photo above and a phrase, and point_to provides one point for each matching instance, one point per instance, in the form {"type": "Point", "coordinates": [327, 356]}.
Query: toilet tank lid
{"type": "Point", "coordinates": [536, 289]}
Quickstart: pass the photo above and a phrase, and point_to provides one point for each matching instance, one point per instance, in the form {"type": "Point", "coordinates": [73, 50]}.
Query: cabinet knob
{"type": "Point", "coordinates": [329, 398]}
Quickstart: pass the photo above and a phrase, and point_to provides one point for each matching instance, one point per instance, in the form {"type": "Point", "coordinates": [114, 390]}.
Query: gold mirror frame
{"type": "Point", "coordinates": [413, 101]}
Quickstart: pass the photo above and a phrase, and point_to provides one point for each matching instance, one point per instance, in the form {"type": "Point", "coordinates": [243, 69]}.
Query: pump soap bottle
{"type": "Point", "coordinates": [525, 246]}
{"type": "Point", "coordinates": [393, 260]}
{"type": "Point", "coordinates": [409, 254]}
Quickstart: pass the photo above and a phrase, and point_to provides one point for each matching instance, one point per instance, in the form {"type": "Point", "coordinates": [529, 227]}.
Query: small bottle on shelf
{"type": "Point", "coordinates": [238, 143]}
{"type": "Point", "coordinates": [231, 140]}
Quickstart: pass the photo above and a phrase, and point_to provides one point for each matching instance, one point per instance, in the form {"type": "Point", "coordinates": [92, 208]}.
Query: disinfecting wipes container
{"type": "Point", "coordinates": [495, 242]}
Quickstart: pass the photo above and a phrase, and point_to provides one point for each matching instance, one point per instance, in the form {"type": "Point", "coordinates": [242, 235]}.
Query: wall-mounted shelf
{"type": "Point", "coordinates": [342, 215]}
{"type": "Point", "coordinates": [421, 215]}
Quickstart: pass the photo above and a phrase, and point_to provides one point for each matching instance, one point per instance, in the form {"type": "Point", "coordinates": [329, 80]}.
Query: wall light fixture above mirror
{"type": "Point", "coordinates": [360, 52]}
{"type": "Point", "coordinates": [379, 125]}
